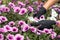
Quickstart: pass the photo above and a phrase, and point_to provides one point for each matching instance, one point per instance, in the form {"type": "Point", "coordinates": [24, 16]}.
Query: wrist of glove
{"type": "Point", "coordinates": [40, 12]}
{"type": "Point", "coordinates": [44, 24]}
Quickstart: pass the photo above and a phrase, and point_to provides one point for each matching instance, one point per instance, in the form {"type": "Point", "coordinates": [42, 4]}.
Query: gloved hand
{"type": "Point", "coordinates": [44, 24]}
{"type": "Point", "coordinates": [40, 12]}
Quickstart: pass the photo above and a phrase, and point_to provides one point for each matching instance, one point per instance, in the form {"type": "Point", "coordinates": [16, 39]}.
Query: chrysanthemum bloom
{"type": "Point", "coordinates": [3, 19]}
{"type": "Point", "coordinates": [21, 22]}
{"type": "Point", "coordinates": [7, 28]}
{"type": "Point", "coordinates": [10, 37]}
{"type": "Point", "coordinates": [33, 29]}
{"type": "Point", "coordinates": [12, 23]}
{"type": "Point", "coordinates": [23, 11]}
{"type": "Point", "coordinates": [5, 9]}
{"type": "Point", "coordinates": [16, 9]}
{"type": "Point", "coordinates": [2, 30]}
{"type": "Point", "coordinates": [25, 27]}
{"type": "Point", "coordinates": [30, 8]}
{"type": "Point", "coordinates": [19, 37]}
{"type": "Point", "coordinates": [53, 35]}
{"type": "Point", "coordinates": [11, 4]}
{"type": "Point", "coordinates": [14, 29]}
{"type": "Point", "coordinates": [1, 37]}
{"type": "Point", "coordinates": [21, 4]}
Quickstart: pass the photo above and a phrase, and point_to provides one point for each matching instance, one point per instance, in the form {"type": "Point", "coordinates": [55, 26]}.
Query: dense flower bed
{"type": "Point", "coordinates": [15, 19]}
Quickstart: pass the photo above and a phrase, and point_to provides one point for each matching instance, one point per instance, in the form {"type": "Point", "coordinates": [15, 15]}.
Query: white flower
{"type": "Point", "coordinates": [52, 18]}
{"type": "Point", "coordinates": [2, 6]}
{"type": "Point", "coordinates": [54, 13]}
{"type": "Point", "coordinates": [32, 19]}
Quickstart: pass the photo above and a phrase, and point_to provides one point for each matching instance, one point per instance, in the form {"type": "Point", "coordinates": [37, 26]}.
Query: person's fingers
{"type": "Point", "coordinates": [43, 26]}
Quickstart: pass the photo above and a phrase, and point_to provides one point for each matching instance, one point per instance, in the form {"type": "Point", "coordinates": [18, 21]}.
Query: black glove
{"type": "Point", "coordinates": [44, 24]}
{"type": "Point", "coordinates": [40, 12]}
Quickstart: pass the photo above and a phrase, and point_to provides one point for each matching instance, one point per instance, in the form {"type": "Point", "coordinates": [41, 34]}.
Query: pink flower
{"type": "Point", "coordinates": [2, 30]}
{"type": "Point", "coordinates": [35, 3]}
{"type": "Point", "coordinates": [1, 37]}
{"type": "Point", "coordinates": [21, 4]}
{"type": "Point", "coordinates": [30, 8]}
{"type": "Point", "coordinates": [58, 36]}
{"type": "Point", "coordinates": [10, 37]}
{"type": "Point", "coordinates": [53, 35]}
{"type": "Point", "coordinates": [42, 17]}
{"type": "Point", "coordinates": [16, 9]}
{"type": "Point", "coordinates": [7, 28]}
{"type": "Point", "coordinates": [3, 19]}
{"type": "Point", "coordinates": [14, 29]}
{"type": "Point", "coordinates": [21, 22]}
{"type": "Point", "coordinates": [19, 37]}
{"type": "Point", "coordinates": [23, 11]}
{"type": "Point", "coordinates": [11, 4]}
{"type": "Point", "coordinates": [47, 31]}
{"type": "Point", "coordinates": [0, 1]}
{"type": "Point", "coordinates": [25, 27]}
{"type": "Point", "coordinates": [0, 21]}
{"type": "Point", "coordinates": [38, 32]}
{"type": "Point", "coordinates": [33, 29]}
{"type": "Point", "coordinates": [5, 9]}
{"type": "Point", "coordinates": [12, 23]}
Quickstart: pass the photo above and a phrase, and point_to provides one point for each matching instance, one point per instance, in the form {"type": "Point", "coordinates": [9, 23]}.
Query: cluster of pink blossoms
{"type": "Point", "coordinates": [20, 8]}
{"type": "Point", "coordinates": [3, 19]}
{"type": "Point", "coordinates": [21, 26]}
{"type": "Point", "coordinates": [10, 27]}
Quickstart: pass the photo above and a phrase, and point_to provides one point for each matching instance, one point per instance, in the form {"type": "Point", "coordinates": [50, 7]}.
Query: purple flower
{"type": "Point", "coordinates": [21, 22]}
{"type": "Point", "coordinates": [1, 37]}
{"type": "Point", "coordinates": [21, 4]}
{"type": "Point", "coordinates": [12, 23]}
{"type": "Point", "coordinates": [33, 29]}
{"type": "Point", "coordinates": [10, 37]}
{"type": "Point", "coordinates": [19, 37]}
{"type": "Point", "coordinates": [25, 27]}
{"type": "Point", "coordinates": [14, 29]}
{"type": "Point", "coordinates": [30, 8]}
{"type": "Point", "coordinates": [27, 2]}
{"type": "Point", "coordinates": [11, 5]}
{"type": "Point", "coordinates": [16, 9]}
{"type": "Point", "coordinates": [23, 11]}
{"type": "Point", "coordinates": [7, 28]}
{"type": "Point", "coordinates": [35, 3]}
